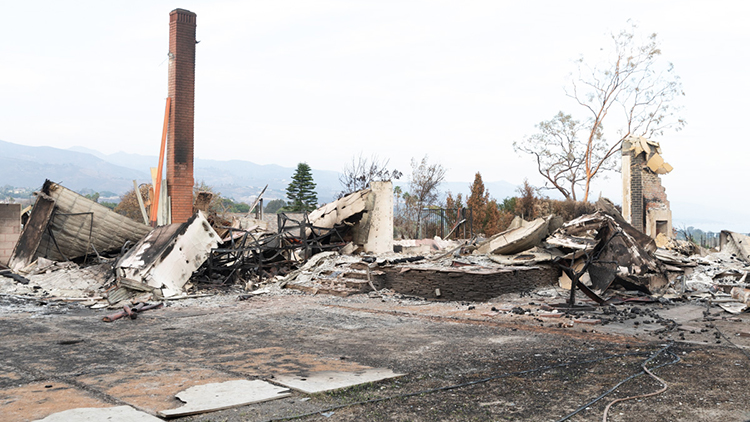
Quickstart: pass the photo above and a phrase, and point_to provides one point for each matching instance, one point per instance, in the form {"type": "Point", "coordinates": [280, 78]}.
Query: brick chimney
{"type": "Point", "coordinates": [181, 115]}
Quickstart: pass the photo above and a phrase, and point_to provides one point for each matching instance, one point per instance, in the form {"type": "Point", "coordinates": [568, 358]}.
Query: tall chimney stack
{"type": "Point", "coordinates": [181, 115]}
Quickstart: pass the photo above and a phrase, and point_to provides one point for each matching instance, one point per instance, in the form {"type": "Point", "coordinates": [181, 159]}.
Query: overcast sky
{"type": "Point", "coordinates": [280, 82]}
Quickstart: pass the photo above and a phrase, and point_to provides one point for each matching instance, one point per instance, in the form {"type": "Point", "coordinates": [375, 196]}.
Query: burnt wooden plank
{"type": "Point", "coordinates": [25, 249]}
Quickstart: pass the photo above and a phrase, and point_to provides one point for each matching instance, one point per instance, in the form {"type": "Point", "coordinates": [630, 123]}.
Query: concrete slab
{"type": "Point", "coordinates": [683, 314]}
{"type": "Point", "coordinates": [224, 395]}
{"type": "Point", "coordinates": [317, 382]}
{"type": "Point", "coordinates": [97, 414]}
{"type": "Point", "coordinates": [278, 360]}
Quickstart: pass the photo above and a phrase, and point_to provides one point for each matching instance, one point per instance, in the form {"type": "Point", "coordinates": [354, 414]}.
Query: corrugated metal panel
{"type": "Point", "coordinates": [92, 225]}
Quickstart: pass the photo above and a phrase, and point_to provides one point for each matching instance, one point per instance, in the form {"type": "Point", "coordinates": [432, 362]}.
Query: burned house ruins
{"type": "Point", "coordinates": [243, 311]}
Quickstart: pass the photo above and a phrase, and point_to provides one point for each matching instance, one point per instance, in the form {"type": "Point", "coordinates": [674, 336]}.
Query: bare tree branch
{"type": "Point", "coordinates": [361, 171]}
{"type": "Point", "coordinates": [634, 79]}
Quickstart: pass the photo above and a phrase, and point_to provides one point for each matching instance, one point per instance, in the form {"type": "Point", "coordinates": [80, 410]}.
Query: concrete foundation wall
{"type": "Point", "coordinates": [10, 230]}
{"type": "Point", "coordinates": [477, 286]}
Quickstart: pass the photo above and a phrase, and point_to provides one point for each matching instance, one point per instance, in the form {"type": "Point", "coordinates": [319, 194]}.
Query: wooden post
{"type": "Point", "coordinates": [157, 188]}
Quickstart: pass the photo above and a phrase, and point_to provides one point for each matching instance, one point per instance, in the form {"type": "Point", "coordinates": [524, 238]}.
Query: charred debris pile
{"type": "Point", "coordinates": [73, 249]}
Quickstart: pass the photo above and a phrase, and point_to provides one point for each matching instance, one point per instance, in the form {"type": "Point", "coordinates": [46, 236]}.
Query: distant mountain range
{"type": "Point", "coordinates": [240, 180]}
{"type": "Point", "coordinates": [81, 168]}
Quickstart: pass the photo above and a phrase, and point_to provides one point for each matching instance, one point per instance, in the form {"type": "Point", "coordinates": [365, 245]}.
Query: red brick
{"type": "Point", "coordinates": [180, 180]}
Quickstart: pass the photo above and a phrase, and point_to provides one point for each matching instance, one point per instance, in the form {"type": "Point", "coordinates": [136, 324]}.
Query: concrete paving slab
{"type": "Point", "coordinates": [39, 399]}
{"type": "Point", "coordinates": [97, 414]}
{"type": "Point", "coordinates": [317, 382]}
{"type": "Point", "coordinates": [224, 395]}
{"type": "Point", "coordinates": [157, 383]}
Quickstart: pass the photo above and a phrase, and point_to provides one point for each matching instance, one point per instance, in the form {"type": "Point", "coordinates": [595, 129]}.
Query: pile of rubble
{"type": "Point", "coordinates": [345, 248]}
{"type": "Point", "coordinates": [73, 248]}
{"type": "Point", "coordinates": [599, 254]}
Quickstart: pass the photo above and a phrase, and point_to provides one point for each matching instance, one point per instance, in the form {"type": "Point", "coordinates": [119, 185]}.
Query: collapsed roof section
{"type": "Point", "coordinates": [65, 225]}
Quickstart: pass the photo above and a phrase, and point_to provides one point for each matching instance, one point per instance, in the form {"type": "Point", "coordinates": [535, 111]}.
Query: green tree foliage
{"type": "Point", "coordinates": [96, 195]}
{"type": "Point", "coordinates": [93, 196]}
{"type": "Point", "coordinates": [508, 205]}
{"type": "Point", "coordinates": [274, 206]}
{"type": "Point", "coordinates": [301, 190]}
{"type": "Point", "coordinates": [225, 205]}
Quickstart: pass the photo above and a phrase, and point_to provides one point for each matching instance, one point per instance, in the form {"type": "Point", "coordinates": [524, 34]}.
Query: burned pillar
{"type": "Point", "coordinates": [644, 199]}
{"type": "Point", "coordinates": [10, 230]}
{"type": "Point", "coordinates": [181, 115]}
{"type": "Point", "coordinates": [375, 231]}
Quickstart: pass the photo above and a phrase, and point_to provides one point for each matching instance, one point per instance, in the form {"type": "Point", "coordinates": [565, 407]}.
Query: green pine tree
{"type": "Point", "coordinates": [301, 191]}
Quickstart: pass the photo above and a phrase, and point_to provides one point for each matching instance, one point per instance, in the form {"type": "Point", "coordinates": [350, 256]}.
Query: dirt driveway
{"type": "Point", "coordinates": [462, 361]}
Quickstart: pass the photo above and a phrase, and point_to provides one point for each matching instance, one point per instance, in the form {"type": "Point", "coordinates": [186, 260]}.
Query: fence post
{"type": "Point", "coordinates": [419, 224]}
{"type": "Point", "coordinates": [442, 223]}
